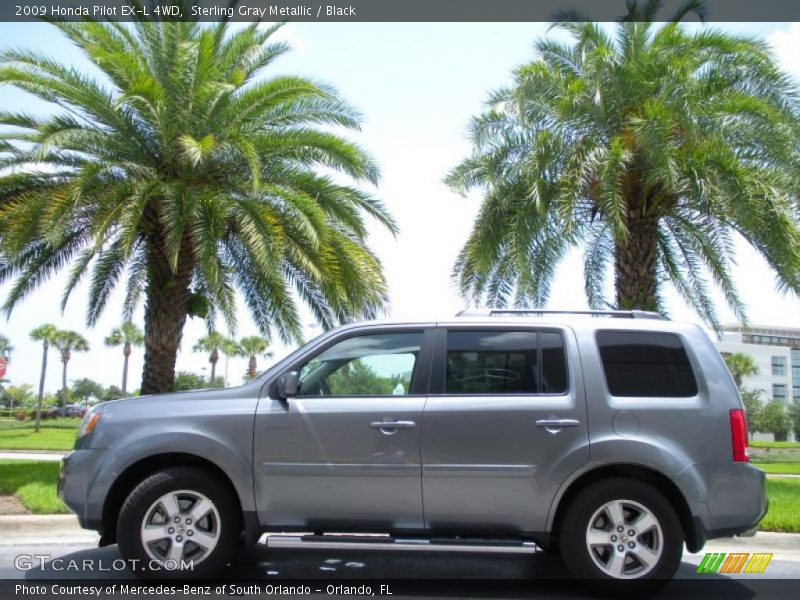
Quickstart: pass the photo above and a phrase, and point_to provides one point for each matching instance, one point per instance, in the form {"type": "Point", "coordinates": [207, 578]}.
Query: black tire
{"type": "Point", "coordinates": [137, 507]}
{"type": "Point", "coordinates": [574, 527]}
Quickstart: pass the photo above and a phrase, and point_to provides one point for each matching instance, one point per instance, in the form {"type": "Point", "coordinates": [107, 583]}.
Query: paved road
{"type": "Point", "coordinates": [504, 575]}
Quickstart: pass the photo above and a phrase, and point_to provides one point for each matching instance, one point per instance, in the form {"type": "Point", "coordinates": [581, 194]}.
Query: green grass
{"type": "Point", "coordinates": [754, 444]}
{"type": "Point", "coordinates": [784, 506]}
{"type": "Point", "coordinates": [60, 423]}
{"type": "Point", "coordinates": [34, 483]}
{"type": "Point", "coordinates": [781, 468]}
{"type": "Point", "coordinates": [46, 439]}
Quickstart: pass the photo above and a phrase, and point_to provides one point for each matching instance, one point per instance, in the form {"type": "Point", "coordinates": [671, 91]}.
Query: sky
{"type": "Point", "coordinates": [417, 85]}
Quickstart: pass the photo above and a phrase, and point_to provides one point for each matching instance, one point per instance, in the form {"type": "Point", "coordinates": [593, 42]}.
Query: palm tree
{"type": "Point", "coordinates": [127, 336]}
{"type": "Point", "coordinates": [5, 347]}
{"type": "Point", "coordinates": [652, 149]}
{"type": "Point", "coordinates": [253, 346]}
{"type": "Point", "coordinates": [229, 347]}
{"type": "Point", "coordinates": [47, 335]}
{"type": "Point", "coordinates": [740, 365]}
{"type": "Point", "coordinates": [211, 343]}
{"type": "Point", "coordinates": [68, 342]}
{"type": "Point", "coordinates": [188, 174]}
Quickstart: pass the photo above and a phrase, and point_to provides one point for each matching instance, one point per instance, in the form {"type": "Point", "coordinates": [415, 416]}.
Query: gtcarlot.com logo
{"type": "Point", "coordinates": [26, 562]}
{"type": "Point", "coordinates": [734, 562]}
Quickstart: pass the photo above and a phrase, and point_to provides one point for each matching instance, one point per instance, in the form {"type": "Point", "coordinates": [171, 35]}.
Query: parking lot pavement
{"type": "Point", "coordinates": [468, 573]}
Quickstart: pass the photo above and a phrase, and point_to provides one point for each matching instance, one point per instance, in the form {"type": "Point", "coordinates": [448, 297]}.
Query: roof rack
{"type": "Point", "coordinates": [617, 314]}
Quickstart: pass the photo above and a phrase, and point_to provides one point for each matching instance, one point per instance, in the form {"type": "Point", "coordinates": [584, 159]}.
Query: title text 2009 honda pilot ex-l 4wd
{"type": "Point", "coordinates": [611, 437]}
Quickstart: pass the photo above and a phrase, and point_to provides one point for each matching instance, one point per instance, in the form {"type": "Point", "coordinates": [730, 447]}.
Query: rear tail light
{"type": "Point", "coordinates": [741, 452]}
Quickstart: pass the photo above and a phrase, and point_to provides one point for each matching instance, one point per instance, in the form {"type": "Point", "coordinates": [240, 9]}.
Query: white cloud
{"type": "Point", "coordinates": [786, 45]}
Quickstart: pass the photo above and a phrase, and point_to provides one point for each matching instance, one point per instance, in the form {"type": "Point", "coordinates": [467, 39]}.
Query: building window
{"type": "Point", "coordinates": [796, 374]}
{"type": "Point", "coordinates": [796, 393]}
{"type": "Point", "coordinates": [779, 365]}
{"type": "Point", "coordinates": [796, 357]}
{"type": "Point", "coordinates": [779, 392]}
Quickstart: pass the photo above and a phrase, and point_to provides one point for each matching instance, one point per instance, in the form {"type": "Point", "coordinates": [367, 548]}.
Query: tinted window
{"type": "Point", "coordinates": [368, 365]}
{"type": "Point", "coordinates": [505, 362]}
{"type": "Point", "coordinates": [645, 364]}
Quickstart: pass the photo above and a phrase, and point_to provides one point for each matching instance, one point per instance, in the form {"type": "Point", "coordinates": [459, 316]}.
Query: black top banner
{"type": "Point", "coordinates": [381, 10]}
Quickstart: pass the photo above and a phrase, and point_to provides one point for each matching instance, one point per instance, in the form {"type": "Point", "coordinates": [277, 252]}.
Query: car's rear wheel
{"type": "Point", "coordinates": [179, 522]}
{"type": "Point", "coordinates": [621, 530]}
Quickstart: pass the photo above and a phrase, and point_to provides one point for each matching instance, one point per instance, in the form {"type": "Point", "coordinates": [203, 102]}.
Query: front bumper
{"type": "Point", "coordinates": [75, 477]}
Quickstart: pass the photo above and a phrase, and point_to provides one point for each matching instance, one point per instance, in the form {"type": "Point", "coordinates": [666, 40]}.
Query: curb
{"type": "Point", "coordinates": [767, 541]}
{"type": "Point", "coordinates": [19, 530]}
{"type": "Point", "coordinates": [11, 524]}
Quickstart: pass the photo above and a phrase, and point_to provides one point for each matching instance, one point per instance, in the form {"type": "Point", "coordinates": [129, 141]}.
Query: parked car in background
{"type": "Point", "coordinates": [70, 410]}
{"type": "Point", "coordinates": [612, 437]}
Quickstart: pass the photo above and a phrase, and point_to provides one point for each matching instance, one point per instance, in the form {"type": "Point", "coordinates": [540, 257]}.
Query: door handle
{"type": "Point", "coordinates": [392, 426]}
{"type": "Point", "coordinates": [555, 425]}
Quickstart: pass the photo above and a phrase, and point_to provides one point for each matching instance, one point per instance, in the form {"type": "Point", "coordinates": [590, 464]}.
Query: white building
{"type": "Point", "coordinates": [776, 352]}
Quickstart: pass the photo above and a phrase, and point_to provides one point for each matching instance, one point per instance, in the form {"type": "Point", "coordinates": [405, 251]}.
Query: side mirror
{"type": "Point", "coordinates": [288, 385]}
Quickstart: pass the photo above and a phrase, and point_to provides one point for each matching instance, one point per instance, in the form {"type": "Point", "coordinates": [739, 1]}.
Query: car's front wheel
{"type": "Point", "coordinates": [621, 530]}
{"type": "Point", "coordinates": [179, 522]}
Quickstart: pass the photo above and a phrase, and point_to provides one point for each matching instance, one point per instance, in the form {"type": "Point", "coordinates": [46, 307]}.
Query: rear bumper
{"type": "Point", "coordinates": [735, 501]}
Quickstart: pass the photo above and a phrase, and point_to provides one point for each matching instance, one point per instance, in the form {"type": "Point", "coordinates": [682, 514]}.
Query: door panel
{"type": "Point", "coordinates": [325, 459]}
{"type": "Point", "coordinates": [488, 468]}
{"type": "Point", "coordinates": [323, 465]}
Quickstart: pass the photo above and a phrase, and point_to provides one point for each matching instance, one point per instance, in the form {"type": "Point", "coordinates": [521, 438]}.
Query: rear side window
{"type": "Point", "coordinates": [645, 364]}
{"type": "Point", "coordinates": [505, 362]}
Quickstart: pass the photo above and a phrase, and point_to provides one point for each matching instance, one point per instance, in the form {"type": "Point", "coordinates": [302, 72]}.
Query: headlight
{"type": "Point", "coordinates": [90, 420]}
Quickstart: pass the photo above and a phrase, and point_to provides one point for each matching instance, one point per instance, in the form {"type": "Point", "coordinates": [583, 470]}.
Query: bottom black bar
{"type": "Point", "coordinates": [722, 588]}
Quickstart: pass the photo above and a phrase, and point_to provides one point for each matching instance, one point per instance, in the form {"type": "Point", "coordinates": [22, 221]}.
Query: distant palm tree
{"type": "Point", "coordinates": [127, 336]}
{"type": "Point", "coordinates": [47, 335]}
{"type": "Point", "coordinates": [211, 343]}
{"type": "Point", "coordinates": [5, 347]}
{"type": "Point", "coordinates": [651, 148]}
{"type": "Point", "coordinates": [252, 347]}
{"type": "Point", "coordinates": [740, 365]}
{"type": "Point", "coordinates": [184, 173]}
{"type": "Point", "coordinates": [229, 348]}
{"type": "Point", "coordinates": [68, 342]}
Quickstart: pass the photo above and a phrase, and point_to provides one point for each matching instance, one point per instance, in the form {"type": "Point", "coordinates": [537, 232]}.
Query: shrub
{"type": "Point", "coordinates": [20, 415]}
{"type": "Point", "coordinates": [774, 420]}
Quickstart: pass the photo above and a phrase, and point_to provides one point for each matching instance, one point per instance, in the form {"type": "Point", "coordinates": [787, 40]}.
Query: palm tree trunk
{"type": "Point", "coordinates": [227, 361]}
{"type": "Point", "coordinates": [127, 353]}
{"type": "Point", "coordinates": [41, 388]}
{"type": "Point", "coordinates": [213, 361]}
{"type": "Point", "coordinates": [251, 367]}
{"type": "Point", "coordinates": [165, 314]}
{"type": "Point", "coordinates": [635, 264]}
{"type": "Point", "coordinates": [64, 360]}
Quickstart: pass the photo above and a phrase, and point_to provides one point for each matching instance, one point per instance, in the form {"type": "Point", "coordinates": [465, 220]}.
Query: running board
{"type": "Point", "coordinates": [385, 542]}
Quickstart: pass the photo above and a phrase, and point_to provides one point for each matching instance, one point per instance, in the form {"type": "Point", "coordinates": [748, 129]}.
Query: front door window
{"type": "Point", "coordinates": [370, 365]}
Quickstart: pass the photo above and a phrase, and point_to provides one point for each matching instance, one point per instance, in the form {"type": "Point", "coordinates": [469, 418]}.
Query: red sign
{"type": "Point", "coordinates": [2, 367]}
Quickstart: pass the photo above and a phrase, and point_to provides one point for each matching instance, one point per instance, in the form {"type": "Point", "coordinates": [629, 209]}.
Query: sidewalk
{"type": "Point", "coordinates": [21, 530]}
{"type": "Point", "coordinates": [49, 455]}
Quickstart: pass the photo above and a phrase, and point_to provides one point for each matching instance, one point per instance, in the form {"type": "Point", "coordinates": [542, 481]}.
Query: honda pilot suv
{"type": "Point", "coordinates": [612, 437]}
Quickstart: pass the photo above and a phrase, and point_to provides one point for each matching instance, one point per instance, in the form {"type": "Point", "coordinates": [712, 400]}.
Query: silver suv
{"type": "Point", "coordinates": [612, 437]}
